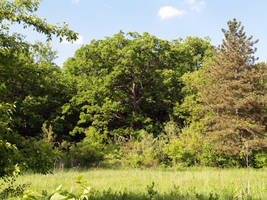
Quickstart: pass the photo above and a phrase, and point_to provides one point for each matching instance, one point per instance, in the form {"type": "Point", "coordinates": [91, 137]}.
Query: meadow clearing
{"type": "Point", "coordinates": [204, 183]}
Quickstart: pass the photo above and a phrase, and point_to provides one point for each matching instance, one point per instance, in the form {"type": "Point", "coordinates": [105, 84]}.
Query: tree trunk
{"type": "Point", "coordinates": [134, 105]}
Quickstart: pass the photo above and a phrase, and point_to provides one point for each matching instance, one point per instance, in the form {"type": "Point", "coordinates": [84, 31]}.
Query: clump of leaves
{"type": "Point", "coordinates": [8, 186]}
{"type": "Point", "coordinates": [60, 193]}
{"type": "Point", "coordinates": [151, 190]}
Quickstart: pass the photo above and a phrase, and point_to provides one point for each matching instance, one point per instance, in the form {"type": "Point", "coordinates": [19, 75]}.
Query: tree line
{"type": "Point", "coordinates": [129, 100]}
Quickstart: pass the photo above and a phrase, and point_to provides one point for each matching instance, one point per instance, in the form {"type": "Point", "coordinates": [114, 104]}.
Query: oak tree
{"type": "Point", "coordinates": [130, 81]}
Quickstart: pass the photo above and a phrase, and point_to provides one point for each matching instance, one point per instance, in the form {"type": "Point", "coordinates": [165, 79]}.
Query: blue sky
{"type": "Point", "coordinates": [166, 19]}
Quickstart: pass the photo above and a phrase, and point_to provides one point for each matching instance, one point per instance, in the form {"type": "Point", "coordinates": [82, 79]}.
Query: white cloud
{"type": "Point", "coordinates": [198, 6]}
{"type": "Point", "coordinates": [167, 12]}
{"type": "Point", "coordinates": [79, 41]}
{"type": "Point", "coordinates": [75, 1]}
{"type": "Point", "coordinates": [195, 5]}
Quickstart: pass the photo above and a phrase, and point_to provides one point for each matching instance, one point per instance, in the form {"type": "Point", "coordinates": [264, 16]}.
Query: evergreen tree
{"type": "Point", "coordinates": [236, 95]}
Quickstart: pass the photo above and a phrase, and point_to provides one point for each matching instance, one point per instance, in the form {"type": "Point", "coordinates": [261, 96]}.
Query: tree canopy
{"type": "Point", "coordinates": [131, 82]}
{"type": "Point", "coordinates": [25, 71]}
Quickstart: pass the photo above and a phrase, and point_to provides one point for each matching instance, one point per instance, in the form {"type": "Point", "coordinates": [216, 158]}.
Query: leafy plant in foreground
{"type": "Point", "coordinates": [59, 193]}
{"type": "Point", "coordinates": [8, 186]}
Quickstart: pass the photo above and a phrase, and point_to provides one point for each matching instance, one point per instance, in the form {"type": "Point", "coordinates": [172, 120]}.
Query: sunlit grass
{"type": "Point", "coordinates": [221, 181]}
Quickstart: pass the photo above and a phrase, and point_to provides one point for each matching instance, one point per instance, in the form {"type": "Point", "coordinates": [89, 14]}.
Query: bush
{"type": "Point", "coordinates": [85, 154]}
{"type": "Point", "coordinates": [38, 156]}
{"type": "Point", "coordinates": [7, 158]}
{"type": "Point", "coordinates": [260, 159]}
{"type": "Point", "coordinates": [8, 186]}
{"type": "Point", "coordinates": [192, 148]}
{"type": "Point", "coordinates": [7, 150]}
{"type": "Point", "coordinates": [184, 149]}
{"type": "Point", "coordinates": [211, 158]}
{"type": "Point", "coordinates": [60, 193]}
{"type": "Point", "coordinates": [146, 151]}
{"type": "Point", "coordinates": [32, 154]}
{"type": "Point", "coordinates": [89, 152]}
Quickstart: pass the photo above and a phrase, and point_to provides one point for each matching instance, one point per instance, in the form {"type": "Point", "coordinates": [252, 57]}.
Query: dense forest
{"type": "Point", "coordinates": [130, 100]}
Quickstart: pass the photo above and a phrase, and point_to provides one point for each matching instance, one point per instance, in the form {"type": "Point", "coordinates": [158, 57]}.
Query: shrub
{"type": "Point", "coordinates": [85, 154]}
{"type": "Point", "coordinates": [211, 158]}
{"type": "Point", "coordinates": [184, 149]}
{"type": "Point", "coordinates": [7, 155]}
{"type": "Point", "coordinates": [32, 154]}
{"type": "Point", "coordinates": [59, 193]}
{"type": "Point", "coordinates": [8, 186]}
{"type": "Point", "coordinates": [145, 151]}
{"type": "Point", "coordinates": [260, 159]}
{"type": "Point", "coordinates": [88, 152]}
{"type": "Point", "coordinates": [7, 150]}
{"type": "Point", "coordinates": [37, 156]}
{"type": "Point", "coordinates": [191, 148]}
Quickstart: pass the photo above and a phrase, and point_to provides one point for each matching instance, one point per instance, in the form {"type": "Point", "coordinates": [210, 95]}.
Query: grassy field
{"type": "Point", "coordinates": [189, 183]}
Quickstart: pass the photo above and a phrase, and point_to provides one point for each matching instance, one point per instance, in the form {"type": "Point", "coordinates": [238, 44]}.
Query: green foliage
{"type": "Point", "coordinates": [184, 149]}
{"type": "Point", "coordinates": [59, 193]}
{"type": "Point", "coordinates": [18, 60]}
{"type": "Point", "coordinates": [132, 99]}
{"type": "Point", "coordinates": [145, 151]}
{"type": "Point", "coordinates": [227, 98]}
{"type": "Point", "coordinates": [130, 82]}
{"type": "Point", "coordinates": [151, 191]}
{"type": "Point", "coordinates": [22, 12]}
{"type": "Point", "coordinates": [39, 97]}
{"type": "Point", "coordinates": [88, 152]}
{"type": "Point", "coordinates": [7, 154]}
{"type": "Point", "coordinates": [5, 119]}
{"type": "Point", "coordinates": [235, 96]}
{"type": "Point", "coordinates": [7, 150]}
{"type": "Point", "coordinates": [8, 186]}
{"type": "Point", "coordinates": [37, 156]}
{"type": "Point", "coordinates": [191, 109]}
{"type": "Point", "coordinates": [192, 148]}
{"type": "Point", "coordinates": [260, 159]}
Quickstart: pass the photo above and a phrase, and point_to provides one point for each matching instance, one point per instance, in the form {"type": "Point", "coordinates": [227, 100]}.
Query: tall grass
{"type": "Point", "coordinates": [227, 183]}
